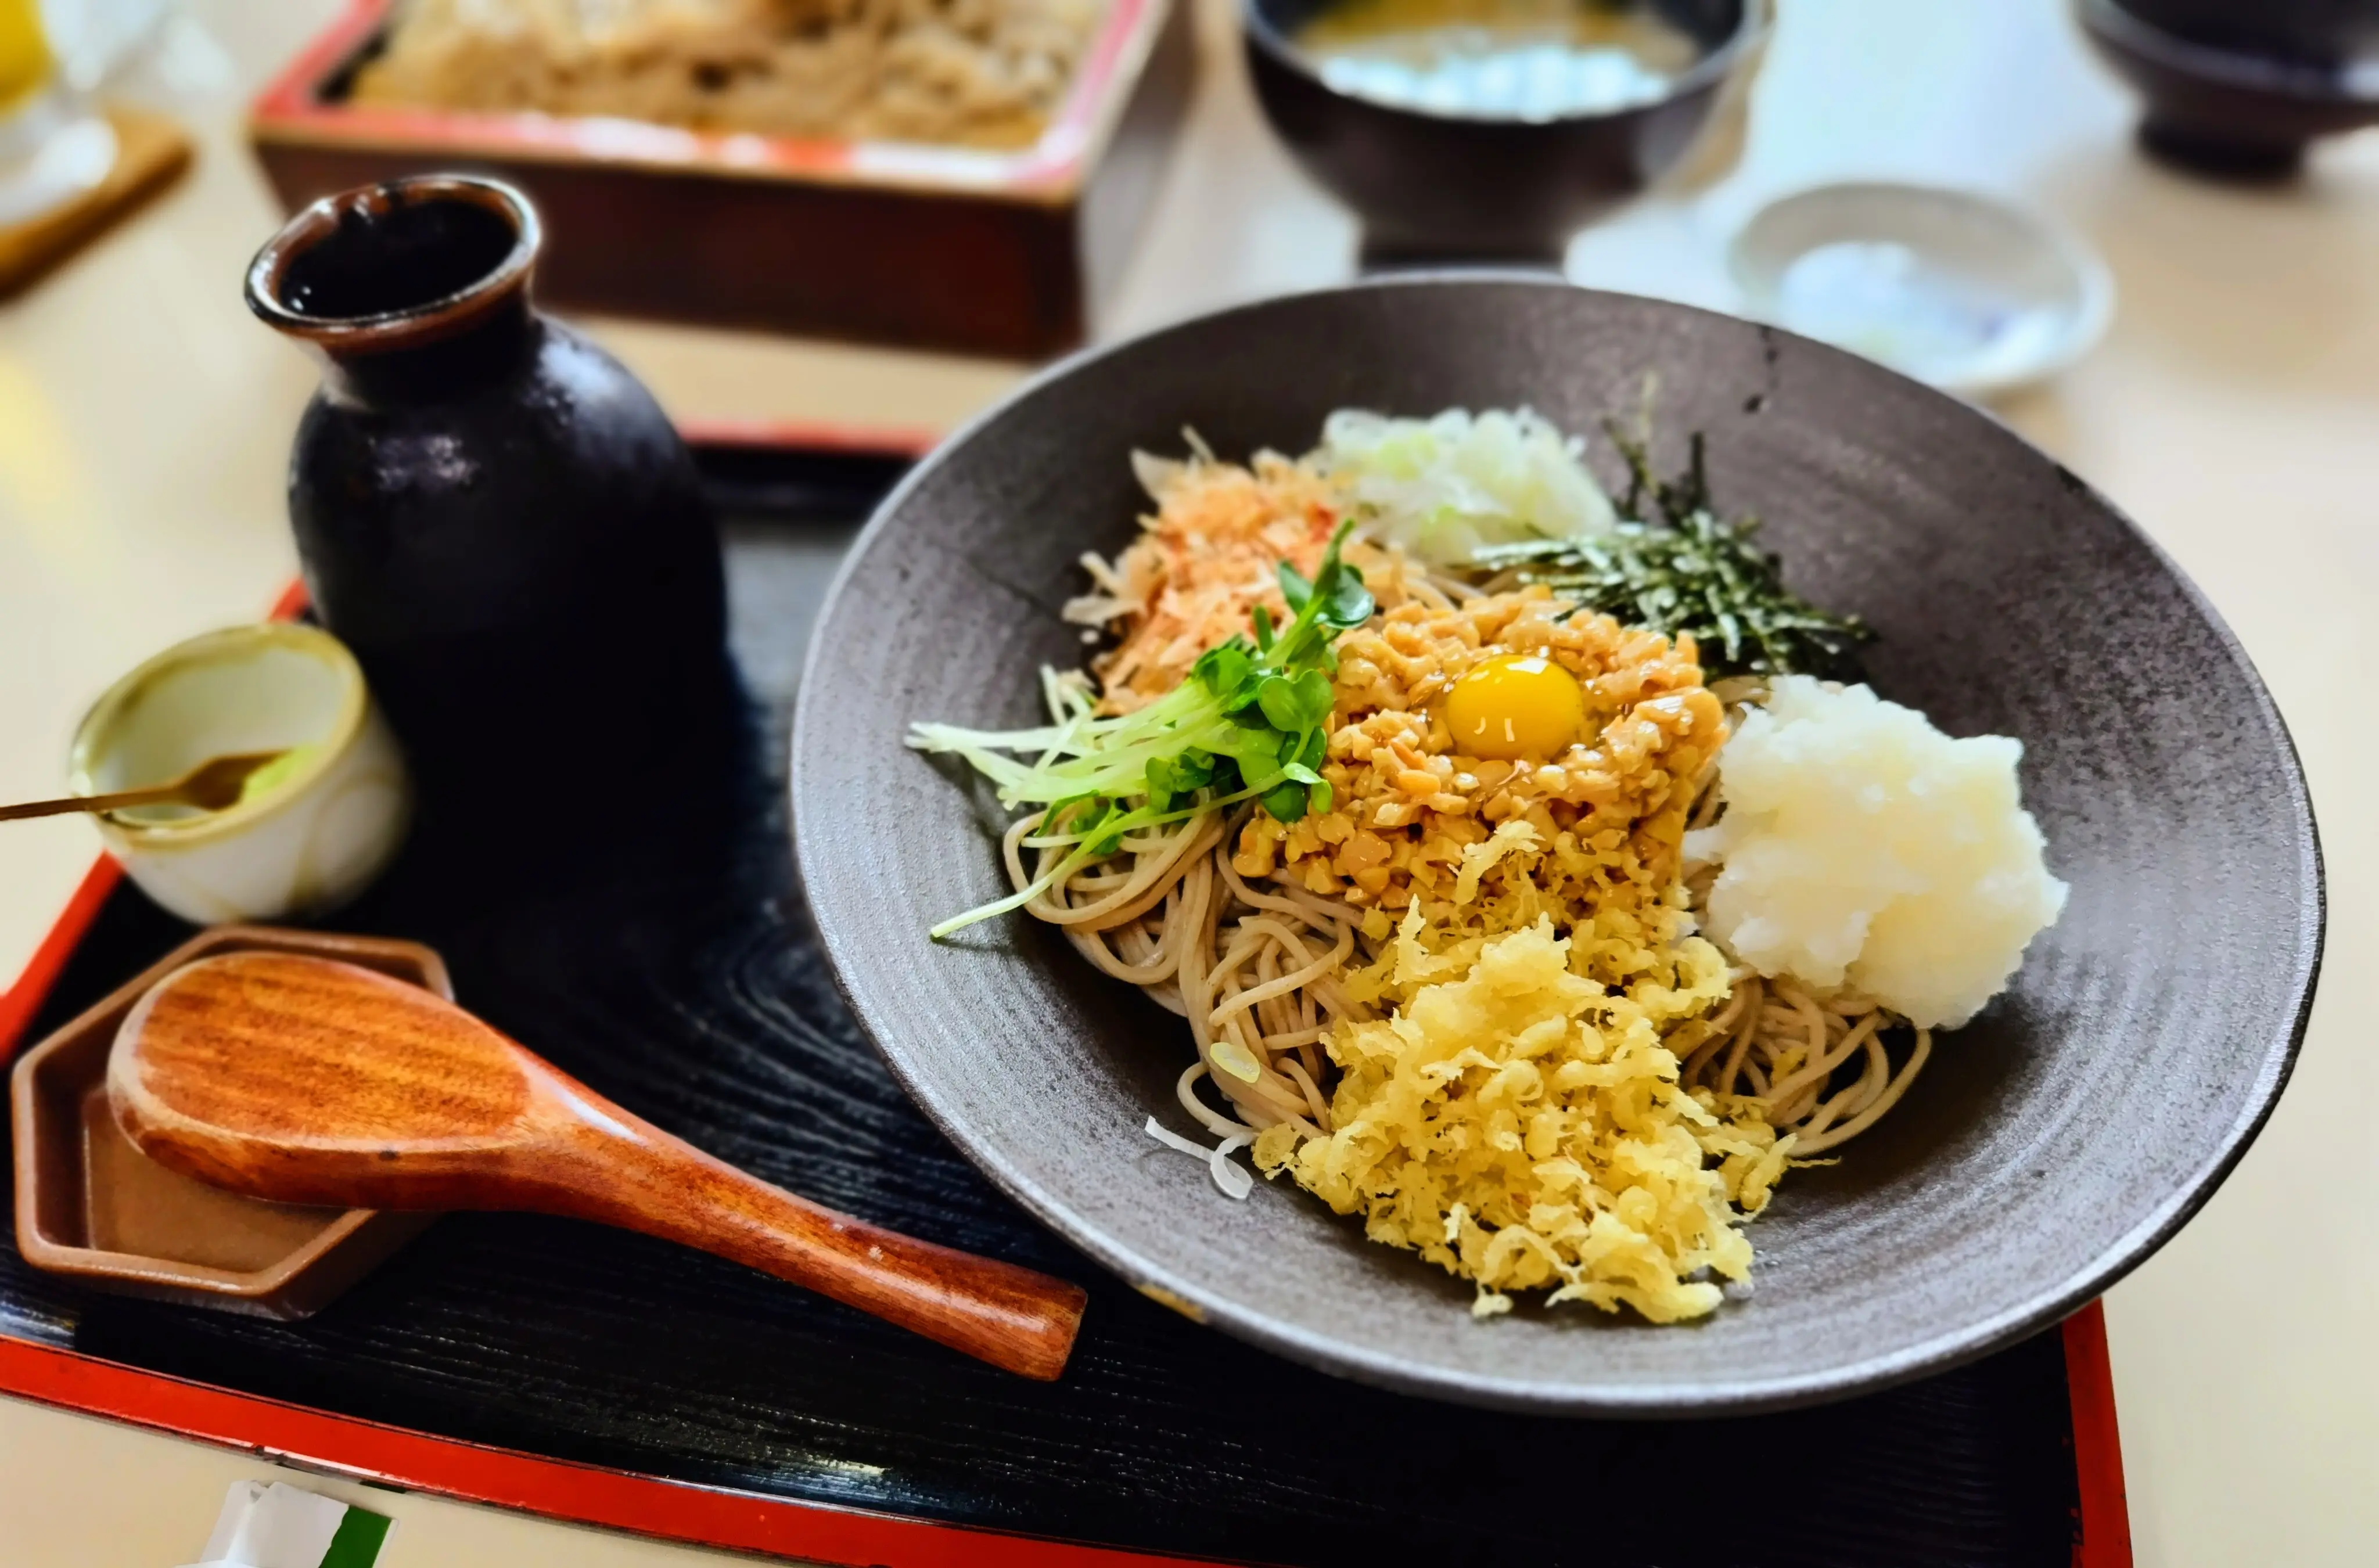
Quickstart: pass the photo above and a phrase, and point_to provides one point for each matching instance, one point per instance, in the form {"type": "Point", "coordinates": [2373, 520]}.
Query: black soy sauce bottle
{"type": "Point", "coordinates": [490, 511]}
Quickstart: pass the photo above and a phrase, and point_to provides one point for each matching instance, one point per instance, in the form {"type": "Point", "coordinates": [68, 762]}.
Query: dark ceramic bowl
{"type": "Point", "coordinates": [2241, 90]}
{"type": "Point", "coordinates": [2051, 1146]}
{"type": "Point", "coordinates": [2314, 32]}
{"type": "Point", "coordinates": [1442, 186]}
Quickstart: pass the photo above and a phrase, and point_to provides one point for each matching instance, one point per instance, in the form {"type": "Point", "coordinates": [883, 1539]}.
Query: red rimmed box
{"type": "Point", "coordinates": [987, 252]}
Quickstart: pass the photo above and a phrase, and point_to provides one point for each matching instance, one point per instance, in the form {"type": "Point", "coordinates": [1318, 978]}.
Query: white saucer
{"type": "Point", "coordinates": [1968, 291]}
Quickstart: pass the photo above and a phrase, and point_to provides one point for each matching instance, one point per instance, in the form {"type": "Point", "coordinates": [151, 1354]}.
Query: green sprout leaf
{"type": "Point", "coordinates": [1251, 722]}
{"type": "Point", "coordinates": [1286, 801]}
{"type": "Point", "coordinates": [1225, 669]}
{"type": "Point", "coordinates": [1346, 603]}
{"type": "Point", "coordinates": [1295, 704]}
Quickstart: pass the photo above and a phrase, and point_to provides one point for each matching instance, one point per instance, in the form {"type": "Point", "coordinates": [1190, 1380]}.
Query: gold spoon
{"type": "Point", "coordinates": [211, 786]}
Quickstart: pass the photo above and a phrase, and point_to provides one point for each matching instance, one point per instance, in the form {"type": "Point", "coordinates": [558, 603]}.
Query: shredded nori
{"type": "Point", "coordinates": [1678, 568]}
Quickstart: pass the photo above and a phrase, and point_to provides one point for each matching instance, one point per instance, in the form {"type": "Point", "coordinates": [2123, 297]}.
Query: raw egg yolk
{"type": "Point", "coordinates": [1515, 707]}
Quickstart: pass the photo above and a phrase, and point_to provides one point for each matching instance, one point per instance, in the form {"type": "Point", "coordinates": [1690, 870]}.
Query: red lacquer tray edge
{"type": "Point", "coordinates": [716, 1517]}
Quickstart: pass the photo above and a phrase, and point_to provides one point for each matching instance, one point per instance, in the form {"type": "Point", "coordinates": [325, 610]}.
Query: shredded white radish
{"type": "Point", "coordinates": [1234, 1181]}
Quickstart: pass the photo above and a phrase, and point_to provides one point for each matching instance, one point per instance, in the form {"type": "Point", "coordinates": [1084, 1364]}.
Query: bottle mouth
{"type": "Point", "coordinates": [391, 265]}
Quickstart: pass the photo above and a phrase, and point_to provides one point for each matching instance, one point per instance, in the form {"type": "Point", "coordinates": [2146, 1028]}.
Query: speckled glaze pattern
{"type": "Point", "coordinates": [2053, 1144]}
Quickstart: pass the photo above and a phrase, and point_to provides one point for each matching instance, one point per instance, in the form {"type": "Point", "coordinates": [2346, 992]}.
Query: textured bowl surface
{"type": "Point", "coordinates": [2052, 1144]}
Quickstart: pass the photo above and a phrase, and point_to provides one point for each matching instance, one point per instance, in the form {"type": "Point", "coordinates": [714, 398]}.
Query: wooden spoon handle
{"type": "Point", "coordinates": [1011, 1317]}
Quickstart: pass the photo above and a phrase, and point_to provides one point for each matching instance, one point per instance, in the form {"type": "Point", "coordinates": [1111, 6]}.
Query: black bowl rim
{"type": "Point", "coordinates": [1739, 1397]}
{"type": "Point", "coordinates": [1710, 68]}
{"type": "Point", "coordinates": [2116, 25]}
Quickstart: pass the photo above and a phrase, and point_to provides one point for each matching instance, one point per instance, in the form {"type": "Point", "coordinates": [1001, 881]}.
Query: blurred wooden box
{"type": "Point", "coordinates": [999, 253]}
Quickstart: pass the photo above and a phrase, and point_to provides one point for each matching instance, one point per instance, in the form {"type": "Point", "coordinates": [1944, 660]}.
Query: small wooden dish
{"type": "Point", "coordinates": [987, 252]}
{"type": "Point", "coordinates": [151, 153]}
{"type": "Point", "coordinates": [92, 1207]}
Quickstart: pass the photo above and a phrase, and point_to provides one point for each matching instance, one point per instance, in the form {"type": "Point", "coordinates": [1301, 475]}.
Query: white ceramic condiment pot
{"type": "Point", "coordinates": [310, 841]}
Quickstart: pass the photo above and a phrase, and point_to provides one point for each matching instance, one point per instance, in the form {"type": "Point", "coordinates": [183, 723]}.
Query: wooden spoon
{"type": "Point", "coordinates": [212, 785]}
{"type": "Point", "coordinates": [304, 1080]}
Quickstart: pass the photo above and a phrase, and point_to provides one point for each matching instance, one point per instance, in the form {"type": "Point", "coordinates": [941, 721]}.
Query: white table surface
{"type": "Point", "coordinates": [2234, 410]}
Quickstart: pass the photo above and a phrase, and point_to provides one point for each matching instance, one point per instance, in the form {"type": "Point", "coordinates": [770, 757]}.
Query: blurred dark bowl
{"type": "Point", "coordinates": [2241, 90]}
{"type": "Point", "coordinates": [2310, 33]}
{"type": "Point", "coordinates": [1432, 186]}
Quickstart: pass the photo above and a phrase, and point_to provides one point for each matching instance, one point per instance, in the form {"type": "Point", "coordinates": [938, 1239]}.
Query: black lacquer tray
{"type": "Point", "coordinates": [600, 1376]}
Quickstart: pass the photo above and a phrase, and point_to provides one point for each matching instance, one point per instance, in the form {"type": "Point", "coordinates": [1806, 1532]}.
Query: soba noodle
{"type": "Point", "coordinates": [1439, 873]}
{"type": "Point", "coordinates": [1254, 970]}
{"type": "Point", "coordinates": [1257, 971]}
{"type": "Point", "coordinates": [1776, 1043]}
{"type": "Point", "coordinates": [985, 73]}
